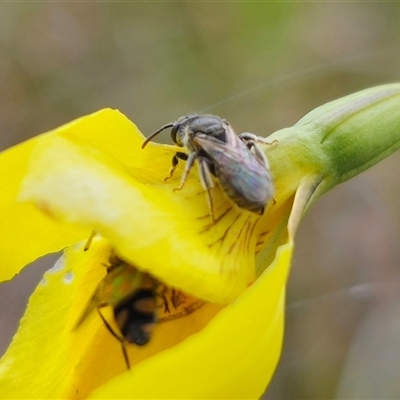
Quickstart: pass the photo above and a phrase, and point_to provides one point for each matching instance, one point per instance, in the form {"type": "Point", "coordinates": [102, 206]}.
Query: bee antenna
{"type": "Point", "coordinates": [125, 353]}
{"type": "Point", "coordinates": [154, 134]}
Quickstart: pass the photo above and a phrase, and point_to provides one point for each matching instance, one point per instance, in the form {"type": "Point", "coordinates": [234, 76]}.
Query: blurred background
{"type": "Point", "coordinates": [262, 66]}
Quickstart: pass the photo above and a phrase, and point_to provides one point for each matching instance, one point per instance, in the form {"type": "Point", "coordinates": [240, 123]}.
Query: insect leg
{"type": "Point", "coordinates": [175, 298]}
{"type": "Point", "coordinates": [190, 161]}
{"type": "Point", "coordinates": [251, 137]}
{"type": "Point", "coordinates": [258, 154]}
{"type": "Point", "coordinates": [250, 140]}
{"type": "Point", "coordinates": [175, 159]}
{"type": "Point", "coordinates": [120, 338]}
{"type": "Point", "coordinates": [161, 294]}
{"type": "Point", "coordinates": [89, 241]}
{"type": "Point", "coordinates": [207, 183]}
{"type": "Point", "coordinates": [248, 137]}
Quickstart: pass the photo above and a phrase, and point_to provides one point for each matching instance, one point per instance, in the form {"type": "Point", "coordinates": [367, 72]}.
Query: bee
{"type": "Point", "coordinates": [132, 296]}
{"type": "Point", "coordinates": [138, 301]}
{"type": "Point", "coordinates": [235, 160]}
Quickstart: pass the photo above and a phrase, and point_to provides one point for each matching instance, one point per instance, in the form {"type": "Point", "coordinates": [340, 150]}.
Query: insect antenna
{"type": "Point", "coordinates": [154, 134]}
{"type": "Point", "coordinates": [117, 336]}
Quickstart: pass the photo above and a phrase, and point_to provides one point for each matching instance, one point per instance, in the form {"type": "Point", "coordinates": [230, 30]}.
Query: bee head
{"type": "Point", "coordinates": [195, 124]}
{"type": "Point", "coordinates": [181, 128]}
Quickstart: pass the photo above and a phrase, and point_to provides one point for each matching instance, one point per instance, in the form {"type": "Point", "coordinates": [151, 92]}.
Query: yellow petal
{"type": "Point", "coordinates": [233, 357]}
{"type": "Point", "coordinates": [75, 180]}
{"type": "Point", "coordinates": [49, 359]}
{"type": "Point", "coordinates": [164, 232]}
{"type": "Point", "coordinates": [216, 352]}
{"type": "Point", "coordinates": [26, 233]}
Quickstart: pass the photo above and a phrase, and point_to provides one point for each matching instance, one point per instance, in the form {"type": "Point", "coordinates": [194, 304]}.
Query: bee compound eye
{"type": "Point", "coordinates": [174, 131]}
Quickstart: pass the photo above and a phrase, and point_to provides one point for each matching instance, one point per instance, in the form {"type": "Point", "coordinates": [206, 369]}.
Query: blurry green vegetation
{"type": "Point", "coordinates": [158, 61]}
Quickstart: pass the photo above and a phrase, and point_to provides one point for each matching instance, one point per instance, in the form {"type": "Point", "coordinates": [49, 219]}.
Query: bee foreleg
{"type": "Point", "coordinates": [175, 160]}
{"type": "Point", "coordinates": [207, 183]}
{"type": "Point", "coordinates": [189, 164]}
{"type": "Point", "coordinates": [120, 338]}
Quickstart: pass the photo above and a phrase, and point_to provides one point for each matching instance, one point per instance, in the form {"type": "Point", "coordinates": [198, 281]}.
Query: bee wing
{"type": "Point", "coordinates": [238, 167]}
{"type": "Point", "coordinates": [232, 157]}
{"type": "Point", "coordinates": [121, 281]}
{"type": "Point", "coordinates": [91, 305]}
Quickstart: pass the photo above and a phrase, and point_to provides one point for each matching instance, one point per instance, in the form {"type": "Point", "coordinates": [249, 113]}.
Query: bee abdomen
{"type": "Point", "coordinates": [248, 204]}
{"type": "Point", "coordinates": [253, 196]}
{"type": "Point", "coordinates": [136, 315]}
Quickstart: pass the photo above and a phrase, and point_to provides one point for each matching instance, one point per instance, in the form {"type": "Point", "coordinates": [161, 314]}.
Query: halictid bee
{"type": "Point", "coordinates": [235, 160]}
{"type": "Point", "coordinates": [138, 302]}
{"type": "Point", "coordinates": [132, 296]}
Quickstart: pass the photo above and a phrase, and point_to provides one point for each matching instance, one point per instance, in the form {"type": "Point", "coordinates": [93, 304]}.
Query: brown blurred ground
{"type": "Point", "coordinates": [158, 61]}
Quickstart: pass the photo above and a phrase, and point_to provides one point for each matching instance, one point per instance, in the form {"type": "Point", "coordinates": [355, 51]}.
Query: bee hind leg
{"type": "Point", "coordinates": [207, 183]}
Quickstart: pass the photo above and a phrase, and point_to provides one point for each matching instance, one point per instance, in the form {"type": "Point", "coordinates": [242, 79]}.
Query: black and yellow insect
{"type": "Point", "coordinates": [138, 302]}
{"type": "Point", "coordinates": [132, 296]}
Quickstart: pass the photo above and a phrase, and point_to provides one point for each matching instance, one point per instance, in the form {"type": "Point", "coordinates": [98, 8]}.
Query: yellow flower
{"type": "Point", "coordinates": [90, 175]}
